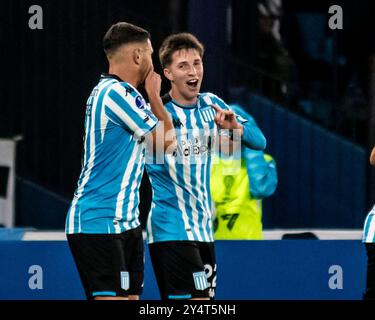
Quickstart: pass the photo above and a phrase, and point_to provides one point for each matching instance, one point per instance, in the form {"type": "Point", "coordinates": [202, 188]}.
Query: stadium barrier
{"type": "Point", "coordinates": [247, 270]}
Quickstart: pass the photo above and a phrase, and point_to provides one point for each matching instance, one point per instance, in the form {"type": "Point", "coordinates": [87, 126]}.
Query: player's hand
{"type": "Point", "coordinates": [153, 84]}
{"type": "Point", "coordinates": [226, 119]}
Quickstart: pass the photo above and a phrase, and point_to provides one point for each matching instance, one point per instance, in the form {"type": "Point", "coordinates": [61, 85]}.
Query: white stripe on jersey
{"type": "Point", "coordinates": [186, 174]}
{"type": "Point", "coordinates": [91, 152]}
{"type": "Point", "coordinates": [207, 99]}
{"type": "Point", "coordinates": [131, 208]}
{"type": "Point", "coordinates": [121, 196]}
{"type": "Point", "coordinates": [79, 221]}
{"type": "Point", "coordinates": [180, 196]}
{"type": "Point", "coordinates": [370, 238]}
{"type": "Point", "coordinates": [149, 224]}
{"type": "Point", "coordinates": [103, 123]}
{"type": "Point", "coordinates": [71, 215]}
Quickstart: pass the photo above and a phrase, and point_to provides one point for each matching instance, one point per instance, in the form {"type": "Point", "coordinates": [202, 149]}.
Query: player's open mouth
{"type": "Point", "coordinates": [192, 83]}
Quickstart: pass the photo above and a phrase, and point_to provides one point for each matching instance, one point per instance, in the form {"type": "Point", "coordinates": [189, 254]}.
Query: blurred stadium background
{"type": "Point", "coordinates": [310, 88]}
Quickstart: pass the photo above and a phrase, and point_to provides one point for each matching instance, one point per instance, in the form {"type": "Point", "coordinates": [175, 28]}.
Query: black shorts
{"type": "Point", "coordinates": [109, 264]}
{"type": "Point", "coordinates": [370, 278]}
{"type": "Point", "coordinates": [184, 269]}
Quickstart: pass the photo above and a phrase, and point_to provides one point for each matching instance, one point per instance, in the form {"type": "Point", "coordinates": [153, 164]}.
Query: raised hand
{"type": "Point", "coordinates": [225, 119]}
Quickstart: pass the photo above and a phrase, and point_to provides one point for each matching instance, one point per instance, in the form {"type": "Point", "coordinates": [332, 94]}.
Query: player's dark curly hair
{"type": "Point", "coordinates": [122, 33]}
{"type": "Point", "coordinates": [176, 42]}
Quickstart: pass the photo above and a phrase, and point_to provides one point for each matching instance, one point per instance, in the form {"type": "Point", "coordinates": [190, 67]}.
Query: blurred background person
{"type": "Point", "coordinates": [272, 57]}
{"type": "Point", "coordinates": [240, 179]}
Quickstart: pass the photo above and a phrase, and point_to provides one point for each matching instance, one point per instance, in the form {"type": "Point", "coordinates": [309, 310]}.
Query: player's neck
{"type": "Point", "coordinates": [180, 99]}
{"type": "Point", "coordinates": [125, 75]}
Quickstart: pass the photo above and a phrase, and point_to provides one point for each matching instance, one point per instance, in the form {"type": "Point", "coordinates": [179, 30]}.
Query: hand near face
{"type": "Point", "coordinates": [153, 84]}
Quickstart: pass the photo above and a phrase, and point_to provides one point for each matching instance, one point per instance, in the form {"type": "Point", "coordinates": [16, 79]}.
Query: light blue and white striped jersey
{"type": "Point", "coordinates": [106, 199]}
{"type": "Point", "coordinates": [181, 205]}
{"type": "Point", "coordinates": [369, 227]}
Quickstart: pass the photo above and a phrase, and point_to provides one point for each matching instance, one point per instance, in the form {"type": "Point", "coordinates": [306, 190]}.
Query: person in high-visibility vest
{"type": "Point", "coordinates": [238, 185]}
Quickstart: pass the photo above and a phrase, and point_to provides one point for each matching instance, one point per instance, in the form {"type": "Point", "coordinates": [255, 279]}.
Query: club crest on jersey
{"type": "Point", "coordinates": [139, 102]}
{"type": "Point", "coordinates": [125, 282]}
{"type": "Point", "coordinates": [208, 114]}
{"type": "Point", "coordinates": [200, 280]}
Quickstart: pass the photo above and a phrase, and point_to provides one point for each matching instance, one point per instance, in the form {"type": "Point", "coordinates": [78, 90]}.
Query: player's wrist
{"type": "Point", "coordinates": [240, 128]}
{"type": "Point", "coordinates": [154, 97]}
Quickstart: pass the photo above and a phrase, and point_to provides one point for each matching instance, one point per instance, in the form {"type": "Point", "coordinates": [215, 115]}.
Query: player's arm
{"type": "Point", "coordinates": [250, 133]}
{"type": "Point", "coordinates": [261, 170]}
{"type": "Point", "coordinates": [130, 112]}
{"type": "Point", "coordinates": [163, 137]}
{"type": "Point", "coordinates": [372, 157]}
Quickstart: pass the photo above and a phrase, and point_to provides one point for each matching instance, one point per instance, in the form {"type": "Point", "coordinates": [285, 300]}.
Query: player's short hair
{"type": "Point", "coordinates": [122, 33]}
{"type": "Point", "coordinates": [176, 42]}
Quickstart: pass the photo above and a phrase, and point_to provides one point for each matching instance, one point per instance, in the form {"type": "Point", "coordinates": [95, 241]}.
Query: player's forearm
{"type": "Point", "coordinates": [164, 132]}
{"type": "Point", "coordinates": [253, 137]}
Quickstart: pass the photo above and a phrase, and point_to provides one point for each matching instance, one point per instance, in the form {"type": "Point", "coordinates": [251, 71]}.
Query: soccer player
{"type": "Point", "coordinates": [179, 228]}
{"type": "Point", "coordinates": [102, 224]}
{"type": "Point", "coordinates": [369, 241]}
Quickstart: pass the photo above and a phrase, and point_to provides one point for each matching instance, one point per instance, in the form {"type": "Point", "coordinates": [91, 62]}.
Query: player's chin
{"type": "Point", "coordinates": [192, 91]}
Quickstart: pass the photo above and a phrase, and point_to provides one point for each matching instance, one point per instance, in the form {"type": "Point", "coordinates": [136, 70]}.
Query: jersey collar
{"type": "Point", "coordinates": [111, 76]}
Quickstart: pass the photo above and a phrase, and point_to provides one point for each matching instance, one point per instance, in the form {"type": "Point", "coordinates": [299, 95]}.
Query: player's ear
{"type": "Point", "coordinates": [137, 56]}
{"type": "Point", "coordinates": [168, 74]}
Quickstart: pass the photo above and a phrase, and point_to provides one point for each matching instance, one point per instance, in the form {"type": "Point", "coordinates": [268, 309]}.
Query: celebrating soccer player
{"type": "Point", "coordinates": [102, 224]}
{"type": "Point", "coordinates": [180, 232]}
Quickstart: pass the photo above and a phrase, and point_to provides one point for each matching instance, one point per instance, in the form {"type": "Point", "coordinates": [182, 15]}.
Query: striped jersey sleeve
{"type": "Point", "coordinates": [252, 136]}
{"type": "Point", "coordinates": [210, 99]}
{"type": "Point", "coordinates": [125, 107]}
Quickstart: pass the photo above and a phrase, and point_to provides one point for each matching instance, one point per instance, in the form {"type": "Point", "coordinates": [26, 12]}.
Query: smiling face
{"type": "Point", "coordinates": [185, 73]}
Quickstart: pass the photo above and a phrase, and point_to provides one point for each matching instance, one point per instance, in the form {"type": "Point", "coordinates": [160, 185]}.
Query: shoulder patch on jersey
{"type": "Point", "coordinates": [139, 102]}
